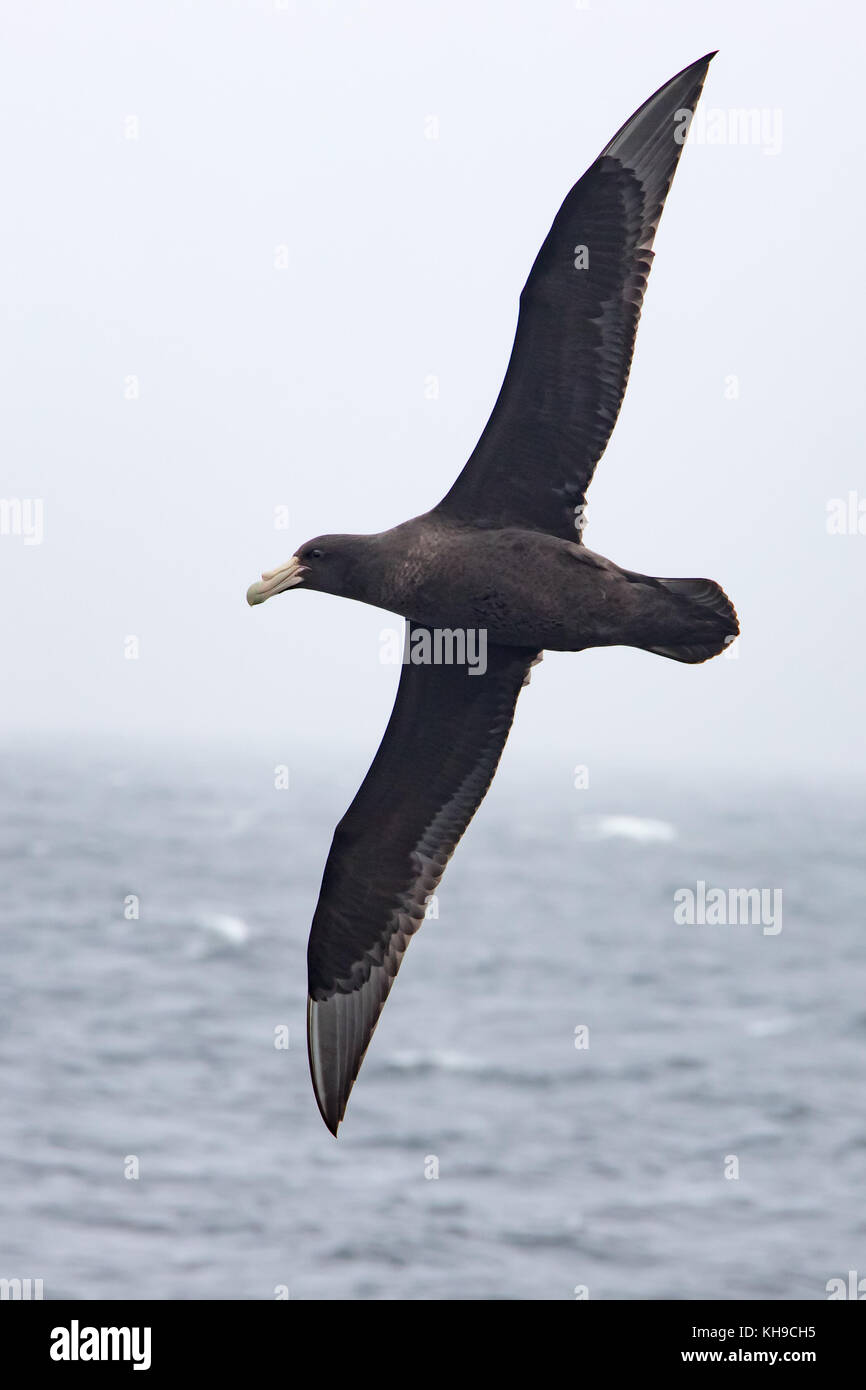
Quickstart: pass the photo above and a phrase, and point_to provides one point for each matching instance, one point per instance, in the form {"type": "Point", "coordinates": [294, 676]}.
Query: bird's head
{"type": "Point", "coordinates": [324, 563]}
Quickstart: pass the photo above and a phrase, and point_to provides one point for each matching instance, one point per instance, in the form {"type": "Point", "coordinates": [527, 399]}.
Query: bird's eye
{"type": "Point", "coordinates": [316, 554]}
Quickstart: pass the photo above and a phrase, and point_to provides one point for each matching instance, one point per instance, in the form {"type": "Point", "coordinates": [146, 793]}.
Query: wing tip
{"type": "Point", "coordinates": [636, 137]}
{"type": "Point", "coordinates": [703, 62]}
{"type": "Point", "coordinates": [332, 1107]}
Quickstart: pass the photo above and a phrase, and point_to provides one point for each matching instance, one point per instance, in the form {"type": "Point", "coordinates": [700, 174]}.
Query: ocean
{"type": "Point", "coordinates": [570, 1094]}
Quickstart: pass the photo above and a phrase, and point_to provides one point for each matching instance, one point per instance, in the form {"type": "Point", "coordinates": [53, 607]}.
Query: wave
{"type": "Point", "coordinates": [640, 829]}
{"type": "Point", "coordinates": [231, 929]}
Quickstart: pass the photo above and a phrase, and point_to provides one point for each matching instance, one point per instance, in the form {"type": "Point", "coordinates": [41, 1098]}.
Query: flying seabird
{"type": "Point", "coordinates": [501, 555]}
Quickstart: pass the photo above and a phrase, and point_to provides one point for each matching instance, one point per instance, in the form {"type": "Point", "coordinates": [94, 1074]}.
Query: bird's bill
{"type": "Point", "coordinates": [276, 581]}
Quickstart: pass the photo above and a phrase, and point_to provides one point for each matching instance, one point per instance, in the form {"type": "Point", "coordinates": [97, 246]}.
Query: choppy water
{"type": "Point", "coordinates": [558, 1166]}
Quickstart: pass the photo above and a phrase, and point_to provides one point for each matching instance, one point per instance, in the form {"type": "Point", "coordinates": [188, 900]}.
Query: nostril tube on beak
{"type": "Point", "coordinates": [276, 581]}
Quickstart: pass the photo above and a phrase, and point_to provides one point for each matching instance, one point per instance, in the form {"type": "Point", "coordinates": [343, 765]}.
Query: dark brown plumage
{"type": "Point", "coordinates": [501, 555]}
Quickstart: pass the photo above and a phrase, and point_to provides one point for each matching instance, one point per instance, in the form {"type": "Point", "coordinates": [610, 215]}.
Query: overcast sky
{"type": "Point", "coordinates": [241, 240]}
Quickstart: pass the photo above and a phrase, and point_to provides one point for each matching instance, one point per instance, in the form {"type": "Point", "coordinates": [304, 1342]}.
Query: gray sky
{"type": "Point", "coordinates": [240, 207]}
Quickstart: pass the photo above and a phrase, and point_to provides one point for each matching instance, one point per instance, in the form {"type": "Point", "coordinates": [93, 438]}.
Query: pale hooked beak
{"type": "Point", "coordinates": [275, 581]}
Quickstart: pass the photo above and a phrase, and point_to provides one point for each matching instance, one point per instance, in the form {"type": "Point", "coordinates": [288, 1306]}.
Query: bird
{"type": "Point", "coordinates": [500, 558]}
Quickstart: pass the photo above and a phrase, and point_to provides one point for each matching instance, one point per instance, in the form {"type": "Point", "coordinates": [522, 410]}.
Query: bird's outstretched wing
{"type": "Point", "coordinates": [434, 765]}
{"type": "Point", "coordinates": [576, 328]}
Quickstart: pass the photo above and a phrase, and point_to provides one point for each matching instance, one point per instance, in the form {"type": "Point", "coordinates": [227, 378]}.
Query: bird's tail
{"type": "Point", "coordinates": [715, 620]}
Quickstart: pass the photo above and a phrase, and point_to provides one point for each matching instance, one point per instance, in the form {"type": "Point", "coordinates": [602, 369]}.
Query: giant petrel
{"type": "Point", "coordinates": [501, 554]}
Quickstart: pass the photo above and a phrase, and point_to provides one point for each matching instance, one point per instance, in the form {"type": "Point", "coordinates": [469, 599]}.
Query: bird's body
{"type": "Point", "coordinates": [501, 555]}
{"type": "Point", "coordinates": [523, 588]}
